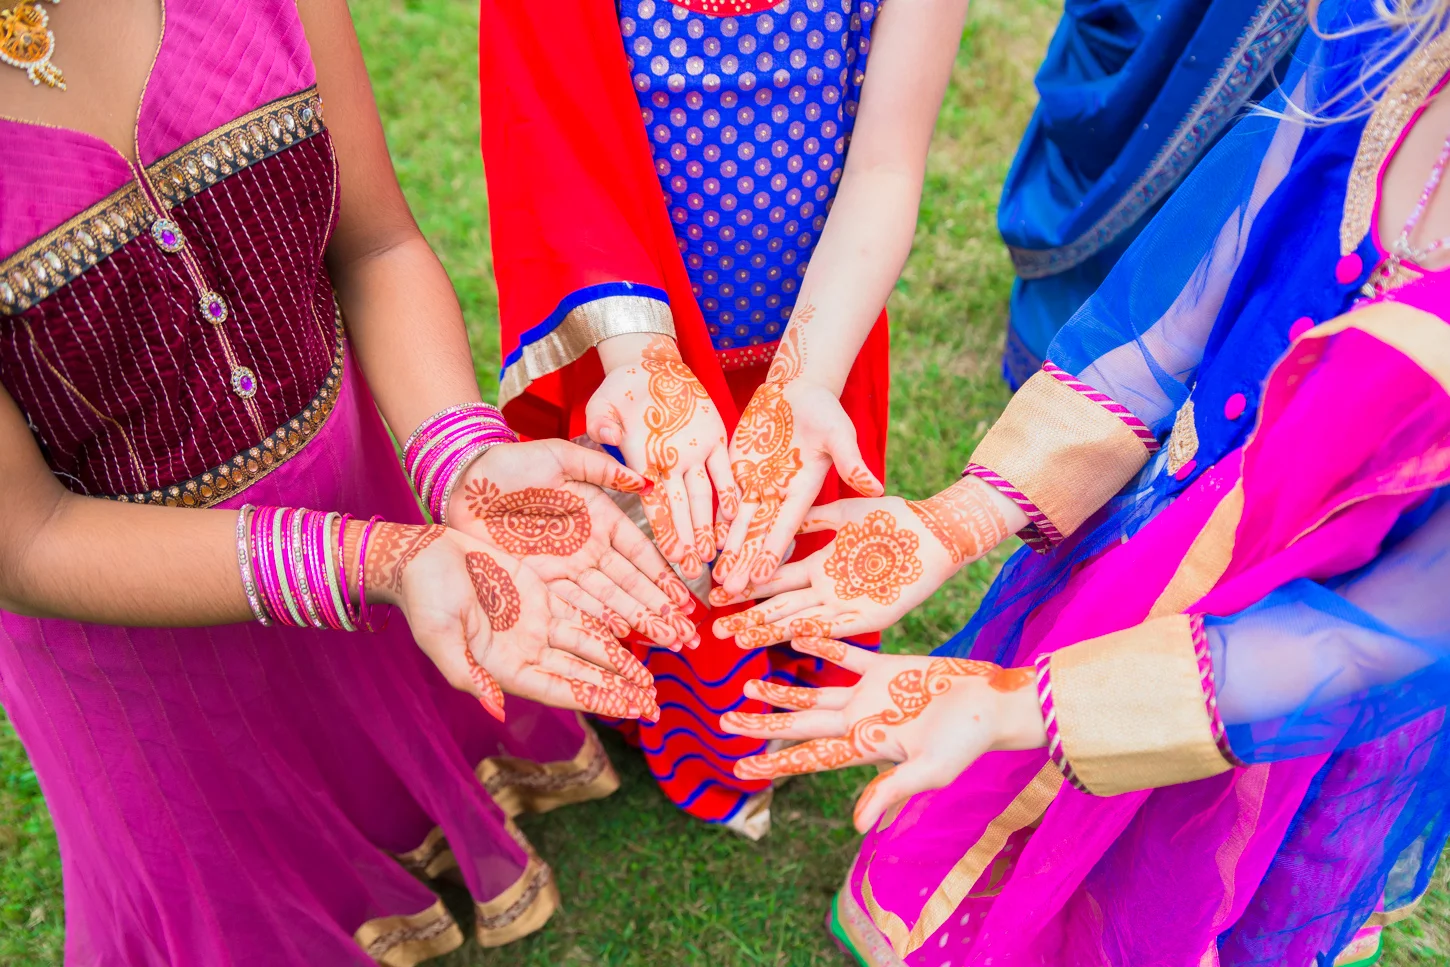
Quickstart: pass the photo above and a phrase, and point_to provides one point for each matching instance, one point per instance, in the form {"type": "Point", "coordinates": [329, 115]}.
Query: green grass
{"type": "Point", "coordinates": [643, 885]}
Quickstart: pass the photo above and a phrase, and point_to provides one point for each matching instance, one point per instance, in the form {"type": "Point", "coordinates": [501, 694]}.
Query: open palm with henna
{"type": "Point", "coordinates": [888, 556]}
{"type": "Point", "coordinates": [665, 424]}
{"type": "Point", "coordinates": [491, 626]}
{"type": "Point", "coordinates": [785, 444]}
{"type": "Point", "coordinates": [542, 502]}
{"type": "Point", "coordinates": [932, 716]}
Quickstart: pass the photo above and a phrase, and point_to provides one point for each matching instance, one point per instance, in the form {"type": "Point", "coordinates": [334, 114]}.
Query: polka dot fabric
{"type": "Point", "coordinates": [748, 117]}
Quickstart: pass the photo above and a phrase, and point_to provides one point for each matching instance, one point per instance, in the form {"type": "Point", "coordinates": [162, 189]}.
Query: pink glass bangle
{"type": "Point", "coordinates": [314, 547]}
{"type": "Point", "coordinates": [365, 615]}
{"type": "Point", "coordinates": [444, 418]}
{"type": "Point", "coordinates": [354, 616]}
{"type": "Point", "coordinates": [445, 432]}
{"type": "Point", "coordinates": [435, 472]}
{"type": "Point", "coordinates": [298, 562]}
{"type": "Point", "coordinates": [336, 588]}
{"type": "Point", "coordinates": [1055, 750]}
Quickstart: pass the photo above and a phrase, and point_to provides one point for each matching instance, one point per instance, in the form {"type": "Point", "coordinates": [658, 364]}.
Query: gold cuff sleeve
{"type": "Point", "coordinates": [1065, 453]}
{"type": "Point", "coordinates": [585, 327]}
{"type": "Point", "coordinates": [1130, 709]}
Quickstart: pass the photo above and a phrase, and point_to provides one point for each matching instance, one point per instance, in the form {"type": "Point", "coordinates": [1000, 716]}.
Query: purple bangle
{"type": "Point", "coordinates": [1049, 722]}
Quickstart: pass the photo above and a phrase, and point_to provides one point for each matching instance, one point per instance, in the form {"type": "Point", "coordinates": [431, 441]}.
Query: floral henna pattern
{"type": "Point", "coordinates": [604, 700]}
{"type": "Point", "coordinates": [766, 462]}
{"type": "Point", "coordinates": [616, 624]}
{"type": "Point", "coordinates": [757, 722]}
{"type": "Point", "coordinates": [786, 696]}
{"type": "Point", "coordinates": [862, 482]}
{"type": "Point", "coordinates": [911, 691]}
{"type": "Point", "coordinates": [828, 648]}
{"type": "Point", "coordinates": [391, 548]}
{"type": "Point", "coordinates": [495, 589]}
{"type": "Point", "coordinates": [535, 520]}
{"type": "Point", "coordinates": [966, 523]}
{"type": "Point", "coordinates": [875, 559]}
{"type": "Point", "coordinates": [621, 659]}
{"type": "Point", "coordinates": [674, 393]}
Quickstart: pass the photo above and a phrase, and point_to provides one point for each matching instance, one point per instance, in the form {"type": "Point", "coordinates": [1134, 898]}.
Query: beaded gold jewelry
{"type": "Point", "coordinates": [27, 42]}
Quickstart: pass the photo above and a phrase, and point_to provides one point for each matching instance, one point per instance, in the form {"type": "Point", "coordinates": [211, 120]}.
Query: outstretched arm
{"type": "Point", "coordinates": [862, 249]}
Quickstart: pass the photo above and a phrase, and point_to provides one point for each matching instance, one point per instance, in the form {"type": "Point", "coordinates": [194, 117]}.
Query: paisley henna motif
{"type": "Point", "coordinates": [535, 520]}
{"type": "Point", "coordinates": [674, 393]}
{"type": "Point", "coordinates": [966, 523]}
{"type": "Point", "coordinates": [875, 559]}
{"type": "Point", "coordinates": [391, 548]}
{"type": "Point", "coordinates": [495, 589]}
{"type": "Point", "coordinates": [911, 691]}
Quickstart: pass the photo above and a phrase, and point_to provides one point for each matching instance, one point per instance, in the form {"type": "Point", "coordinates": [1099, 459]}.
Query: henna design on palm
{"type": "Point", "coordinates": [875, 559]}
{"type": "Point", "coordinates": [532, 521]}
{"type": "Point", "coordinates": [490, 695]}
{"type": "Point", "coordinates": [674, 394]}
{"type": "Point", "coordinates": [496, 591]}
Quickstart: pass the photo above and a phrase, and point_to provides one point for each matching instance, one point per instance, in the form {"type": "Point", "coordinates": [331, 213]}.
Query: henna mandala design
{"type": "Point", "coordinates": [535, 520]}
{"type": "Point", "coordinates": [495, 589]}
{"type": "Point", "coordinates": [875, 559]}
{"type": "Point", "coordinates": [911, 691]}
{"type": "Point", "coordinates": [391, 548]}
{"type": "Point", "coordinates": [966, 524]}
{"type": "Point", "coordinates": [673, 392]}
{"type": "Point", "coordinates": [786, 696]}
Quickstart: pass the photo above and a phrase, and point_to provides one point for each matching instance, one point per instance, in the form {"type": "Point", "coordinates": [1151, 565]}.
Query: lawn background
{"type": "Point", "coordinates": [642, 884]}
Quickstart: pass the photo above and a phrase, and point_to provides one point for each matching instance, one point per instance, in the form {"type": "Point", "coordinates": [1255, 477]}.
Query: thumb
{"type": "Point", "coordinates": [846, 454]}
{"type": "Point", "coordinates": [602, 470]}
{"type": "Point", "coordinates": [602, 421]}
{"type": "Point", "coordinates": [890, 790]}
{"type": "Point", "coordinates": [824, 517]}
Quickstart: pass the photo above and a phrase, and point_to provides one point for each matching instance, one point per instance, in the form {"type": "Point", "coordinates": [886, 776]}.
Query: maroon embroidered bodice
{"type": "Point", "coordinates": [176, 339]}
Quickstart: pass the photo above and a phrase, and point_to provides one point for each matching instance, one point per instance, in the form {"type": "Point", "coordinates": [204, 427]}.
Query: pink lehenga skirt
{"type": "Point", "coordinates": [245, 795]}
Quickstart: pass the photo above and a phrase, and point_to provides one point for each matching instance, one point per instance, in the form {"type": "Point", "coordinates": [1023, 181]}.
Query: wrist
{"type": "Point", "coordinates": [364, 574]}
{"type": "Point", "coordinates": [628, 349]}
{"type": "Point", "coordinates": [1020, 722]}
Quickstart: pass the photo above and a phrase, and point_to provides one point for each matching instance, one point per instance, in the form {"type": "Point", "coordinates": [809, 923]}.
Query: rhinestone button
{"type": "Point", "coordinates": [244, 382]}
{"type": "Point", "coordinates": [214, 308]}
{"type": "Point", "coordinates": [167, 235]}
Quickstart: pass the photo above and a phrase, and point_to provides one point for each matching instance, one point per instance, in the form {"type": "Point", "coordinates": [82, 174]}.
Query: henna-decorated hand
{"type": "Point", "coordinates": [491, 626]}
{"type": "Point", "coordinates": [933, 716]}
{"type": "Point", "coordinates": [789, 436]}
{"type": "Point", "coordinates": [657, 413]}
{"type": "Point", "coordinates": [888, 556]}
{"type": "Point", "coordinates": [541, 501]}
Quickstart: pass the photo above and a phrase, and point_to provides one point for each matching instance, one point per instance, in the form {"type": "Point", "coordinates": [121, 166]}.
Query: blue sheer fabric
{"type": "Point", "coordinates": [1132, 93]}
{"type": "Point", "coordinates": [1355, 669]}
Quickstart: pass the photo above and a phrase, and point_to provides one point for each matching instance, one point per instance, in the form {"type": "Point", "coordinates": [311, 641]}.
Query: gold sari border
{"type": "Point", "coordinates": [226, 480]}
{"type": "Point", "coordinates": [1024, 810]}
{"type": "Point", "coordinates": [581, 328]}
{"type": "Point", "coordinates": [1404, 96]}
{"type": "Point", "coordinates": [83, 241]}
{"type": "Point", "coordinates": [1207, 559]}
{"type": "Point", "coordinates": [404, 941]}
{"type": "Point", "coordinates": [523, 786]}
{"type": "Point", "coordinates": [522, 908]}
{"type": "Point", "coordinates": [1419, 335]}
{"type": "Point", "coordinates": [1065, 453]}
{"type": "Point", "coordinates": [1131, 710]}
{"type": "Point", "coordinates": [865, 939]}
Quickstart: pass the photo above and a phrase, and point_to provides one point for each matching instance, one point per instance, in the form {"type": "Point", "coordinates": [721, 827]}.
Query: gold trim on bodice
{"type": "Point", "coordinates": [228, 479]}
{"type": "Point", "coordinates": [61, 255]}
{"type": "Point", "coordinates": [1406, 93]}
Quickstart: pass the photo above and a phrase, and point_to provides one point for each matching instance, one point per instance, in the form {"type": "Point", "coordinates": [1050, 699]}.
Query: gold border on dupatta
{"type": "Point", "coordinates": [1404, 95]}
{"type": "Point", "coordinates": [1130, 709]}
{"type": "Point", "coordinates": [585, 327]}
{"type": "Point", "coordinates": [1067, 454]}
{"type": "Point", "coordinates": [1207, 559]}
{"type": "Point", "coordinates": [524, 907]}
{"type": "Point", "coordinates": [408, 940]}
{"type": "Point", "coordinates": [81, 242]}
{"type": "Point", "coordinates": [523, 786]}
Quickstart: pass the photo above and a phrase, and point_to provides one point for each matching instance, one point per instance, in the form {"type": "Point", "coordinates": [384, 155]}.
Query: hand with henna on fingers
{"type": "Point", "coordinates": [888, 556]}
{"type": "Point", "coordinates": [491, 626]}
{"type": "Point", "coordinates": [542, 502]}
{"type": "Point", "coordinates": [790, 435]}
{"type": "Point", "coordinates": [930, 717]}
{"type": "Point", "coordinates": [655, 411]}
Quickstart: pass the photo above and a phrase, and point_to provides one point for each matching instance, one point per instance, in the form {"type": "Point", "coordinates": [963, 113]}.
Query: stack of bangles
{"type": "Point", "coordinates": [437, 453]}
{"type": "Point", "coordinates": [294, 570]}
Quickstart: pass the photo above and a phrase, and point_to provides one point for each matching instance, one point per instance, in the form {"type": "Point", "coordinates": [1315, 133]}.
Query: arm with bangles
{"type": "Point", "coordinates": [794, 428]}
{"type": "Point", "coordinates": [92, 560]}
{"type": "Point", "coordinates": [407, 331]}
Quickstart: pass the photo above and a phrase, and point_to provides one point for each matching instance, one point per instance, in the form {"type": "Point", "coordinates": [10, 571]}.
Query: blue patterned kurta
{"type": "Point", "coordinates": [748, 118]}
